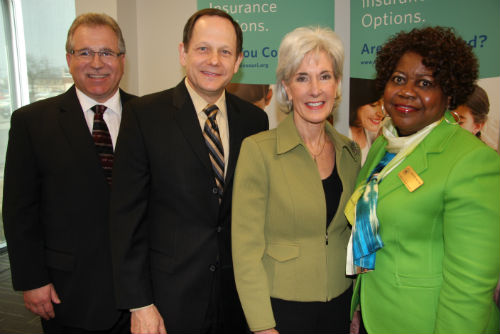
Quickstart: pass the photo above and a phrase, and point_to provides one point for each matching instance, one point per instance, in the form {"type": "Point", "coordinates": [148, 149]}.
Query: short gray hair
{"type": "Point", "coordinates": [299, 42]}
{"type": "Point", "coordinates": [94, 20]}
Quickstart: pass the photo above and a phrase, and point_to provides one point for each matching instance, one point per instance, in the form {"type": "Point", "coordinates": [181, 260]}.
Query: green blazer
{"type": "Point", "coordinates": [441, 257]}
{"type": "Point", "coordinates": [279, 222]}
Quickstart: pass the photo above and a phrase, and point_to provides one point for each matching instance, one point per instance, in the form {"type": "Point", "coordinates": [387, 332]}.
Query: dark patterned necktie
{"type": "Point", "coordinates": [214, 144]}
{"type": "Point", "coordinates": [102, 141]}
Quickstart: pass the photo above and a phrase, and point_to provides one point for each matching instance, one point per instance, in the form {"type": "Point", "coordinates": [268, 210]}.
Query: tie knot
{"type": "Point", "coordinates": [99, 109]}
{"type": "Point", "coordinates": [211, 111]}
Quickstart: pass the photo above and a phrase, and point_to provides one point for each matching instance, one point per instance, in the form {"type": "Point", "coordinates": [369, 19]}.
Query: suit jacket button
{"type": "Point", "coordinates": [219, 228]}
{"type": "Point", "coordinates": [215, 190]}
{"type": "Point", "coordinates": [212, 267]}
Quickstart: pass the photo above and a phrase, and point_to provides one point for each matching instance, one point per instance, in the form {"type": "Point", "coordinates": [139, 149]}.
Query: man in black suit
{"type": "Point", "coordinates": [57, 188]}
{"type": "Point", "coordinates": [170, 217]}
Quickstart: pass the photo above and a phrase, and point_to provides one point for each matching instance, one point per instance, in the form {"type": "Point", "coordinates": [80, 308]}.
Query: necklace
{"type": "Point", "coordinates": [320, 151]}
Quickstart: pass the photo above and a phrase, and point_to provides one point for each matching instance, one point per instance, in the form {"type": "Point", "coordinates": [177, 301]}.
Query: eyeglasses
{"type": "Point", "coordinates": [88, 54]}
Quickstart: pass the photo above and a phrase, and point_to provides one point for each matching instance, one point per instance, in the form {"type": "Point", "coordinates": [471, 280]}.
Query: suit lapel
{"type": "Point", "coordinates": [125, 97]}
{"type": "Point", "coordinates": [76, 131]}
{"type": "Point", "coordinates": [186, 118]}
{"type": "Point", "coordinates": [378, 151]}
{"type": "Point", "coordinates": [418, 160]}
{"type": "Point", "coordinates": [235, 138]}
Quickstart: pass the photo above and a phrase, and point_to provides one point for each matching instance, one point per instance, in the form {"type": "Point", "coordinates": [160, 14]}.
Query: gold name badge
{"type": "Point", "coordinates": [410, 178]}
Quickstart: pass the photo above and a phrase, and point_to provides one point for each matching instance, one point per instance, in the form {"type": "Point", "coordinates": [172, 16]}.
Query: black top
{"type": "Point", "coordinates": [333, 189]}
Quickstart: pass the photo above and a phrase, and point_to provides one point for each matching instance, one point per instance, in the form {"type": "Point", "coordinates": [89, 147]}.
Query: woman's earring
{"type": "Point", "coordinates": [456, 118]}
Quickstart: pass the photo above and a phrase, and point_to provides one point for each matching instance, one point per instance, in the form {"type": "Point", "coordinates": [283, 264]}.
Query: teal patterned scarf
{"type": "Point", "coordinates": [361, 210]}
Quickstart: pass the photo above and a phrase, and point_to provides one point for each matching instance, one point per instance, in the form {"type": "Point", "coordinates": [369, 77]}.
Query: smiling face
{"type": "Point", "coordinates": [370, 116]}
{"type": "Point", "coordinates": [312, 89]}
{"type": "Point", "coordinates": [96, 78]}
{"type": "Point", "coordinates": [412, 96]}
{"type": "Point", "coordinates": [210, 59]}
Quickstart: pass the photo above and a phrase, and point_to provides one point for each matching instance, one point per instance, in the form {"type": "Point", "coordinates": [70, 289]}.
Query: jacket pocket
{"type": "Point", "coordinates": [431, 281]}
{"type": "Point", "coordinates": [58, 260]}
{"type": "Point", "coordinates": [281, 264]}
{"type": "Point", "coordinates": [161, 262]}
{"type": "Point", "coordinates": [283, 252]}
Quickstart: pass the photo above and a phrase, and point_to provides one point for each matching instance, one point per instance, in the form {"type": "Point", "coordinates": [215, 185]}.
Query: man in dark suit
{"type": "Point", "coordinates": [170, 211]}
{"type": "Point", "coordinates": [57, 188]}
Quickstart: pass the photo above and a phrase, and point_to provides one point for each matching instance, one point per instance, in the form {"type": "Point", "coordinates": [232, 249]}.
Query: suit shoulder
{"type": "Point", "coordinates": [457, 151]}
{"type": "Point", "coordinates": [38, 107]}
{"type": "Point", "coordinates": [467, 143]}
{"type": "Point", "coordinates": [127, 97]}
{"type": "Point", "coordinates": [240, 102]}
{"type": "Point", "coordinates": [161, 97]}
{"type": "Point", "coordinates": [245, 107]}
{"type": "Point", "coordinates": [462, 142]}
{"type": "Point", "coordinates": [342, 138]}
{"type": "Point", "coordinates": [261, 145]}
{"type": "Point", "coordinates": [263, 138]}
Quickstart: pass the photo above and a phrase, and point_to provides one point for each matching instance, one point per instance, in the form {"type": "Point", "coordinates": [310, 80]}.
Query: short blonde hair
{"type": "Point", "coordinates": [299, 42]}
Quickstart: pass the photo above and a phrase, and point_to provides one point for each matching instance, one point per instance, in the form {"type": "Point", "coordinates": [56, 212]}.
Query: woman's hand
{"type": "Point", "coordinates": [356, 320]}
{"type": "Point", "coordinates": [497, 293]}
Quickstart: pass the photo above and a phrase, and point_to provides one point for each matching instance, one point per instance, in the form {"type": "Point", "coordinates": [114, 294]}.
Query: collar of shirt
{"type": "Point", "coordinates": [200, 104]}
{"type": "Point", "coordinates": [113, 104]}
{"type": "Point", "coordinates": [112, 116]}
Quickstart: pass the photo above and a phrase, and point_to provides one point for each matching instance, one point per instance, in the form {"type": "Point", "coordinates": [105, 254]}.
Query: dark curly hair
{"type": "Point", "coordinates": [451, 59]}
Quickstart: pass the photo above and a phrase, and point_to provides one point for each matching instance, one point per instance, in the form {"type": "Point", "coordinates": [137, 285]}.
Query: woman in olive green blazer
{"type": "Point", "coordinates": [282, 247]}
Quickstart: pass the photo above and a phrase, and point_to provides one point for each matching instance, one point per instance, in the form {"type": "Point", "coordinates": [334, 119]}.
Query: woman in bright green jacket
{"type": "Point", "coordinates": [289, 232]}
{"type": "Point", "coordinates": [426, 208]}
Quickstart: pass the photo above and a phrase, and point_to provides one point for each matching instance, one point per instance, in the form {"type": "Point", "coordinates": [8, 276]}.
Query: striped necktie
{"type": "Point", "coordinates": [102, 141]}
{"type": "Point", "coordinates": [214, 144]}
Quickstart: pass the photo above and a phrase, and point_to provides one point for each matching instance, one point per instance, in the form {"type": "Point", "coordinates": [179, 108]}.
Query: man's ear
{"type": "Point", "coordinates": [238, 62]}
{"type": "Point", "coordinates": [182, 54]}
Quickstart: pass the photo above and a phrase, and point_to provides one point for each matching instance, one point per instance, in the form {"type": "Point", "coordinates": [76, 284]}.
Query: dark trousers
{"type": "Point", "coordinates": [122, 326]}
{"type": "Point", "coordinates": [313, 317]}
{"type": "Point", "coordinates": [224, 314]}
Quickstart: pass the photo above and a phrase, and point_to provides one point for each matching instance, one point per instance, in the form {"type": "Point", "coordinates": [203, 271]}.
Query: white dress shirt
{"type": "Point", "coordinates": [112, 116]}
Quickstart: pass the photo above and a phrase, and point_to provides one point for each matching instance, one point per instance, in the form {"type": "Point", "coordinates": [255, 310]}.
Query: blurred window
{"type": "Point", "coordinates": [32, 59]}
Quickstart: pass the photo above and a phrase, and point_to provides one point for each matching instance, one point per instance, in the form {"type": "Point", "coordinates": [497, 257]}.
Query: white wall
{"type": "Point", "coordinates": [160, 25]}
{"type": "Point", "coordinates": [98, 6]}
{"type": "Point", "coordinates": [127, 19]}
